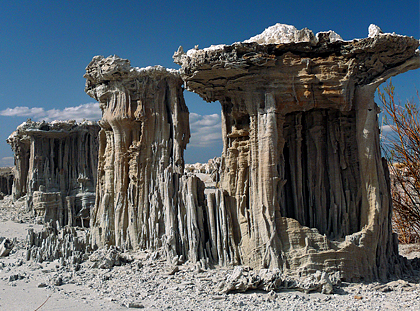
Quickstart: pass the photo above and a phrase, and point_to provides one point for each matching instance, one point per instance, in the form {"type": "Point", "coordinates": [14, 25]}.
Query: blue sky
{"type": "Point", "coordinates": [46, 45]}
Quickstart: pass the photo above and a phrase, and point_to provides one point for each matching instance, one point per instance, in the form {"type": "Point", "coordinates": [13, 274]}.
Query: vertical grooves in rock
{"type": "Point", "coordinates": [303, 181]}
{"type": "Point", "coordinates": [143, 199]}
{"type": "Point", "coordinates": [6, 180]}
{"type": "Point", "coordinates": [56, 167]}
{"type": "Point", "coordinates": [329, 178]}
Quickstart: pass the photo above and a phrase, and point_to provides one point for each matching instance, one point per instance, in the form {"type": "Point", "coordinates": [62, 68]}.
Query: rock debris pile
{"type": "Point", "coordinates": [69, 245]}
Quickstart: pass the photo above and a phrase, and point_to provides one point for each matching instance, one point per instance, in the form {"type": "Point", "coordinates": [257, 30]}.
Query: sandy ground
{"type": "Point", "coordinates": [146, 283]}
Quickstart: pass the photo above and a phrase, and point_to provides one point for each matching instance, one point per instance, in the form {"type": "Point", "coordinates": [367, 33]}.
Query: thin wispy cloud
{"type": "Point", "coordinates": [90, 111]}
{"type": "Point", "coordinates": [206, 130]}
{"type": "Point", "coordinates": [6, 161]}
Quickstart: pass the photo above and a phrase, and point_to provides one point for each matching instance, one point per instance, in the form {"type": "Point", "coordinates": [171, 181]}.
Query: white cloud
{"type": "Point", "coordinates": [23, 112]}
{"type": "Point", "coordinates": [206, 130]}
{"type": "Point", "coordinates": [6, 161]}
{"type": "Point", "coordinates": [386, 128]}
{"type": "Point", "coordinates": [90, 111]}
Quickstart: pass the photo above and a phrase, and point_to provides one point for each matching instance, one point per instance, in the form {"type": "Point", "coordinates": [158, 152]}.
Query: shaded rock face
{"type": "Point", "coordinates": [56, 165]}
{"type": "Point", "coordinates": [6, 181]}
{"type": "Point", "coordinates": [143, 200]}
{"type": "Point", "coordinates": [303, 185]}
{"type": "Point", "coordinates": [20, 145]}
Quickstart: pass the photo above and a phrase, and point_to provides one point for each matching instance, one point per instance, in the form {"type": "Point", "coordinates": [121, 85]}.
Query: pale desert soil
{"type": "Point", "coordinates": [146, 283]}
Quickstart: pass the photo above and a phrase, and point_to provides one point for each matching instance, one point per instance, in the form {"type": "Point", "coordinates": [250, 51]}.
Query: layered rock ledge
{"type": "Point", "coordinates": [55, 168]}
{"type": "Point", "coordinates": [303, 183]}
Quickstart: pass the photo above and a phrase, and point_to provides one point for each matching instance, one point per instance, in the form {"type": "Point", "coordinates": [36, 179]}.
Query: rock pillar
{"type": "Point", "coordinates": [55, 167]}
{"type": "Point", "coordinates": [303, 184]}
{"type": "Point", "coordinates": [143, 200]}
{"type": "Point", "coordinates": [6, 180]}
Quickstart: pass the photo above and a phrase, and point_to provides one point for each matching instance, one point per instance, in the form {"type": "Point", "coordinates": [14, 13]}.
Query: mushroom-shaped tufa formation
{"type": "Point", "coordinates": [302, 179]}
{"type": "Point", "coordinates": [143, 199]}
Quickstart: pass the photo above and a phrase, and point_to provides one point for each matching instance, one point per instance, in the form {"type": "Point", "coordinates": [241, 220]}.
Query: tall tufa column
{"type": "Point", "coordinates": [143, 199]}
{"type": "Point", "coordinates": [302, 178]}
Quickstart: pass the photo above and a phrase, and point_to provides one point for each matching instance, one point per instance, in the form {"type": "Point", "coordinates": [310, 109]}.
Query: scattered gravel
{"type": "Point", "coordinates": [143, 280]}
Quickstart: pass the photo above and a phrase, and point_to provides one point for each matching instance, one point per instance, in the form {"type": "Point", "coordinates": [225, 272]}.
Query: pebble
{"type": "Point", "coordinates": [173, 270]}
{"type": "Point", "coordinates": [58, 281]}
{"type": "Point", "coordinates": [135, 305]}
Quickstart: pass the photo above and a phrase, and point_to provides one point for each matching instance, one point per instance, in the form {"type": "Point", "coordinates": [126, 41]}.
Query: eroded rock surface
{"type": "Point", "coordinates": [68, 245]}
{"type": "Point", "coordinates": [210, 169]}
{"type": "Point", "coordinates": [303, 185]}
{"type": "Point", "coordinates": [55, 167]}
{"type": "Point", "coordinates": [143, 199]}
{"type": "Point", "coordinates": [6, 181]}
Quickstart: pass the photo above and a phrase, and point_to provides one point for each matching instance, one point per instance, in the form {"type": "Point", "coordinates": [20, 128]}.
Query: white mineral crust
{"type": "Point", "coordinates": [374, 31]}
{"type": "Point", "coordinates": [332, 35]}
{"type": "Point", "coordinates": [282, 33]}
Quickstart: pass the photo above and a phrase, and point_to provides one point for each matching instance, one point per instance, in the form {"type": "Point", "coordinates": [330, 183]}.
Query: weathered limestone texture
{"type": "Point", "coordinates": [303, 185]}
{"type": "Point", "coordinates": [143, 199]}
{"type": "Point", "coordinates": [20, 144]}
{"type": "Point", "coordinates": [55, 167]}
{"type": "Point", "coordinates": [205, 168]}
{"type": "Point", "coordinates": [49, 245]}
{"type": "Point", "coordinates": [6, 181]}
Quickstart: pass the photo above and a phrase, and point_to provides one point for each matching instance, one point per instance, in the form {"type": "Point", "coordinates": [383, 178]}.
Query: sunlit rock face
{"type": "Point", "coordinates": [303, 184]}
{"type": "Point", "coordinates": [143, 199]}
{"type": "Point", "coordinates": [55, 167]}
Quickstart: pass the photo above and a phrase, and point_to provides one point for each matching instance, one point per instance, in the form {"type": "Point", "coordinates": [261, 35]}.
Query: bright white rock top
{"type": "Point", "coordinates": [374, 30]}
{"type": "Point", "coordinates": [282, 33]}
